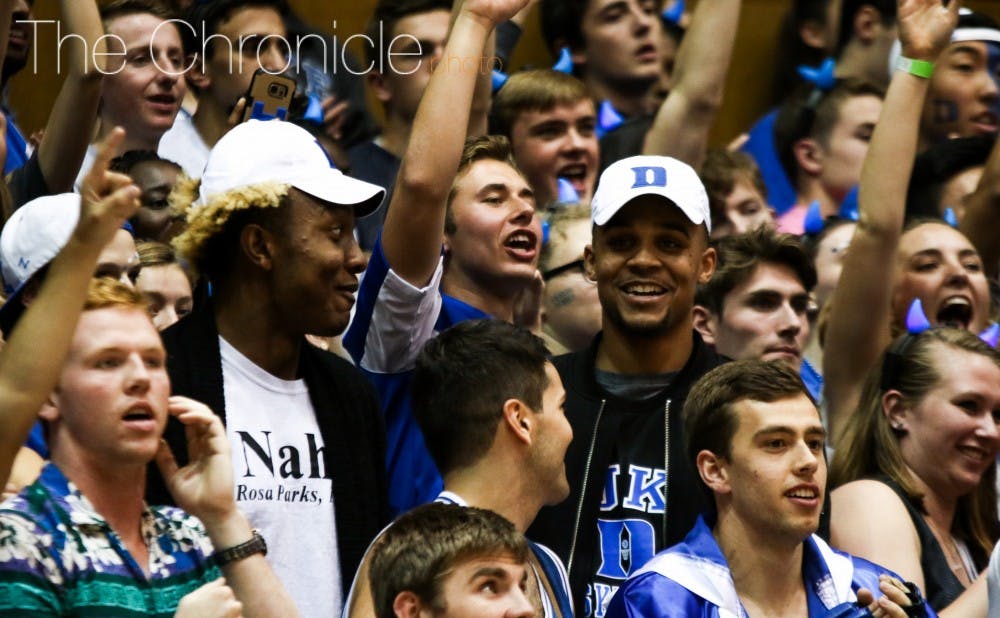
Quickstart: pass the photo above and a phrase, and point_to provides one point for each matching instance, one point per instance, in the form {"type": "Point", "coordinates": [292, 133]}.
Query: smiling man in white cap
{"type": "Point", "coordinates": [632, 492]}
{"type": "Point", "coordinates": [271, 230]}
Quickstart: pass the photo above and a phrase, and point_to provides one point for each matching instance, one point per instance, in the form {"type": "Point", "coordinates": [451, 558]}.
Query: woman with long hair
{"type": "Point", "coordinates": [916, 468]}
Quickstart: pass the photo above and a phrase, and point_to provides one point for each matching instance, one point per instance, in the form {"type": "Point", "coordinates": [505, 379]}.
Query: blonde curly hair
{"type": "Point", "coordinates": [205, 221]}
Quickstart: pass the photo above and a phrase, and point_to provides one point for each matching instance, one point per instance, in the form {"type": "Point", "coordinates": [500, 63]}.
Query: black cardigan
{"type": "Point", "coordinates": [347, 411]}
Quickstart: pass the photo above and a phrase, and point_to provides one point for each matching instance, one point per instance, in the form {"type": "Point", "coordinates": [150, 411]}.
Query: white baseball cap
{"type": "Point", "coordinates": [260, 151]}
{"type": "Point", "coordinates": [34, 234]}
{"type": "Point", "coordinates": [627, 179]}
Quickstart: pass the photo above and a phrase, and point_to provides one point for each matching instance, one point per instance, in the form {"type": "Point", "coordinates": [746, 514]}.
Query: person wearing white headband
{"type": "Point", "coordinates": [964, 95]}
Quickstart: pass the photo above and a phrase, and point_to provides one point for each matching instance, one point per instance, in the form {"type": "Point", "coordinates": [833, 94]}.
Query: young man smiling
{"type": "Point", "coordinates": [756, 439]}
{"type": "Point", "coordinates": [631, 491]}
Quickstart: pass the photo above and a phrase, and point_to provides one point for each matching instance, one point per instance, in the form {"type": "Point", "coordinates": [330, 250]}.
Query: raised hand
{"type": "Point", "coordinates": [528, 305]}
{"type": "Point", "coordinates": [214, 599]}
{"type": "Point", "coordinates": [334, 117]}
{"type": "Point", "coordinates": [204, 487]}
{"type": "Point", "coordinates": [494, 12]}
{"type": "Point", "coordinates": [107, 199]}
{"type": "Point", "coordinates": [925, 27]}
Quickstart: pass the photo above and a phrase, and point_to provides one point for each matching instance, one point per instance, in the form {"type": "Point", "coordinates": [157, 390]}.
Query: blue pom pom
{"type": "Point", "coordinates": [608, 118]}
{"type": "Point", "coordinates": [314, 111]}
{"type": "Point", "coordinates": [916, 319]}
{"type": "Point", "coordinates": [565, 62]}
{"type": "Point", "coordinates": [849, 207]}
{"type": "Point", "coordinates": [822, 76]}
{"type": "Point", "coordinates": [567, 194]}
{"type": "Point", "coordinates": [950, 218]}
{"type": "Point", "coordinates": [674, 13]}
{"type": "Point", "coordinates": [814, 222]}
{"type": "Point", "coordinates": [499, 79]}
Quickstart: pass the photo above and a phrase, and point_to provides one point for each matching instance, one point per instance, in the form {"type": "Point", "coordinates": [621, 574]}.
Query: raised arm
{"type": "Point", "coordinates": [71, 121]}
{"type": "Point", "coordinates": [204, 488]}
{"type": "Point", "coordinates": [482, 96]}
{"type": "Point", "coordinates": [981, 223]}
{"type": "Point", "coordinates": [28, 373]}
{"type": "Point", "coordinates": [683, 121]}
{"type": "Point", "coordinates": [414, 224]}
{"type": "Point", "coordinates": [859, 326]}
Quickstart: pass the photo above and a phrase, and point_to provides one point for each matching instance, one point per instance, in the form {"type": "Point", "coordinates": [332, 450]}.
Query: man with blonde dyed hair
{"type": "Point", "coordinates": [450, 560]}
{"type": "Point", "coordinates": [550, 121]}
{"type": "Point", "coordinates": [271, 227]}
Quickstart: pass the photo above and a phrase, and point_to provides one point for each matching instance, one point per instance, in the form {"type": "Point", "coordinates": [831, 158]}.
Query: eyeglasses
{"type": "Point", "coordinates": [577, 265]}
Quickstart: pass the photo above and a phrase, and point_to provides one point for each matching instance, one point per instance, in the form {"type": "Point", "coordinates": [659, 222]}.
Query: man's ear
{"type": "Point", "coordinates": [896, 410]}
{"type": "Point", "coordinates": [708, 261]}
{"type": "Point", "coordinates": [376, 81]}
{"type": "Point", "coordinates": [50, 409]}
{"type": "Point", "coordinates": [258, 245]}
{"type": "Point", "coordinates": [705, 323]}
{"type": "Point", "coordinates": [589, 265]}
{"type": "Point", "coordinates": [196, 74]}
{"type": "Point", "coordinates": [808, 156]}
{"type": "Point", "coordinates": [714, 471]}
{"type": "Point", "coordinates": [814, 34]}
{"type": "Point", "coordinates": [519, 420]}
{"type": "Point", "coordinates": [406, 605]}
{"type": "Point", "coordinates": [866, 23]}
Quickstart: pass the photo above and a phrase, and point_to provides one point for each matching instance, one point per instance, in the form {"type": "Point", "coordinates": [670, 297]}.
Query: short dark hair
{"type": "Point", "coordinates": [710, 421]}
{"type": "Point", "coordinates": [127, 160]}
{"type": "Point", "coordinates": [384, 18]}
{"type": "Point", "coordinates": [720, 172]}
{"type": "Point", "coordinates": [741, 254]}
{"type": "Point", "coordinates": [120, 8]}
{"type": "Point", "coordinates": [462, 379]}
{"type": "Point", "coordinates": [418, 551]}
{"type": "Point", "coordinates": [934, 167]}
{"type": "Point", "coordinates": [812, 113]}
{"type": "Point", "coordinates": [205, 17]}
{"type": "Point", "coordinates": [561, 22]}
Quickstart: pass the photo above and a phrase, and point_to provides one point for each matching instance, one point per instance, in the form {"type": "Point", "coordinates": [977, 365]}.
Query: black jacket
{"type": "Point", "coordinates": [347, 411]}
{"type": "Point", "coordinates": [614, 519]}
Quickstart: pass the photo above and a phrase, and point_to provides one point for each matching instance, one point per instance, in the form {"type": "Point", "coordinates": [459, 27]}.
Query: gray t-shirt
{"type": "Point", "coordinates": [634, 387]}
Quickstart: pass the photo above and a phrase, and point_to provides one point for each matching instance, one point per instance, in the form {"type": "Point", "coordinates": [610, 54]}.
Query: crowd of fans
{"type": "Point", "coordinates": [531, 348]}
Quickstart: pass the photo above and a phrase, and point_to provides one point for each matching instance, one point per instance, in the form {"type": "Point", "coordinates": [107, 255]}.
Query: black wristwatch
{"type": "Point", "coordinates": [255, 545]}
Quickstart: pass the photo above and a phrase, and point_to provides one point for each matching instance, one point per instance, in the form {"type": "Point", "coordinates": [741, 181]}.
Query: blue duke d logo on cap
{"type": "Point", "coordinates": [649, 176]}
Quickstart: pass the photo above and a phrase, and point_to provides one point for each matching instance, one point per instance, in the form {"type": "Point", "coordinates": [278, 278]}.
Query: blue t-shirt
{"type": "Point", "coordinates": [392, 322]}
